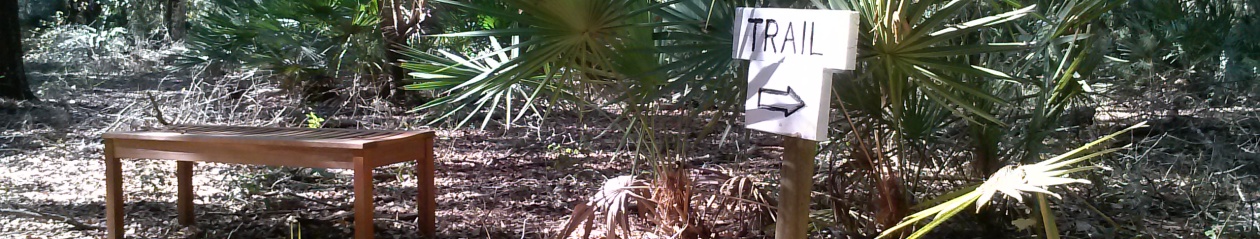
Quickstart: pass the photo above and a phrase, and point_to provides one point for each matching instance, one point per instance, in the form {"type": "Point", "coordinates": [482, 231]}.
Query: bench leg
{"type": "Point", "coordinates": [113, 193]}
{"type": "Point", "coordinates": [184, 172]}
{"type": "Point", "coordinates": [426, 202]}
{"type": "Point", "coordinates": [363, 207]}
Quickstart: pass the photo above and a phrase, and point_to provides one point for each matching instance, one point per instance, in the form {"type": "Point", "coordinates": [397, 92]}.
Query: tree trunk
{"type": "Point", "coordinates": [393, 30]}
{"type": "Point", "coordinates": [173, 17]}
{"type": "Point", "coordinates": [396, 26]}
{"type": "Point", "coordinates": [13, 84]}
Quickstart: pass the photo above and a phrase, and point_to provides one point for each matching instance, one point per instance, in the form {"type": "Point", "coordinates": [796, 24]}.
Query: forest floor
{"type": "Point", "coordinates": [1193, 174]}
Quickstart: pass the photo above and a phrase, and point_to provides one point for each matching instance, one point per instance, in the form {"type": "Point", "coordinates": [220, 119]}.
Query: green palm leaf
{"type": "Point", "coordinates": [565, 44]}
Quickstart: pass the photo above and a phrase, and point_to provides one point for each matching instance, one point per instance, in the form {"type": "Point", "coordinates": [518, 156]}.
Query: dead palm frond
{"type": "Point", "coordinates": [673, 214]}
{"type": "Point", "coordinates": [742, 200]}
{"type": "Point", "coordinates": [613, 200]}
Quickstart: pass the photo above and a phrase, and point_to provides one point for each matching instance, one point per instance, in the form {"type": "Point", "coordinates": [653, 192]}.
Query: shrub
{"type": "Point", "coordinates": [304, 44]}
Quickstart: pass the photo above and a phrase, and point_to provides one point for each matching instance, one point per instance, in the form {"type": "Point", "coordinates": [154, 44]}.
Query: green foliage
{"type": "Point", "coordinates": [561, 149]}
{"type": "Point", "coordinates": [696, 50]}
{"type": "Point", "coordinates": [578, 49]}
{"type": "Point", "coordinates": [566, 50]}
{"type": "Point", "coordinates": [1006, 71]}
{"type": "Point", "coordinates": [47, 13]}
{"type": "Point", "coordinates": [300, 43]}
{"type": "Point", "coordinates": [446, 18]}
{"type": "Point", "coordinates": [915, 58]}
{"type": "Point", "coordinates": [1207, 42]}
{"type": "Point", "coordinates": [142, 18]}
{"type": "Point", "coordinates": [580, 54]}
{"type": "Point", "coordinates": [86, 47]}
{"type": "Point", "coordinates": [449, 71]}
{"type": "Point", "coordinates": [314, 121]}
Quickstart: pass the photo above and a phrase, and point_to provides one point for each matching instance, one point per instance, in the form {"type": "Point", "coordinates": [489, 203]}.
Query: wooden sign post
{"type": "Point", "coordinates": [796, 182]}
{"type": "Point", "coordinates": [792, 54]}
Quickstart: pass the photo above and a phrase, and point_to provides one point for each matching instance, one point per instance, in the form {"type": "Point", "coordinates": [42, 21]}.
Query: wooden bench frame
{"type": "Point", "coordinates": [359, 150]}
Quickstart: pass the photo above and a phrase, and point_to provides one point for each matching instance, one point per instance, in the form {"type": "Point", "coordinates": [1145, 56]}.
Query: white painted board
{"type": "Point", "coordinates": [770, 34]}
{"type": "Point", "coordinates": [790, 97]}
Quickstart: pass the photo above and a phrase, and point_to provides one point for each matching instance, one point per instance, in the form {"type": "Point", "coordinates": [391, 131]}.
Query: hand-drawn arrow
{"type": "Point", "coordinates": [783, 101]}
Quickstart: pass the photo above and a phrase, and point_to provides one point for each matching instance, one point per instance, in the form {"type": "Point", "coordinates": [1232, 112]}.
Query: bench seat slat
{"type": "Point", "coordinates": [296, 137]}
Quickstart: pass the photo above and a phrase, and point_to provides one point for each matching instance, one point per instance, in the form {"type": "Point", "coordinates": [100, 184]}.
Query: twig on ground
{"type": "Point", "coordinates": [157, 111]}
{"type": "Point", "coordinates": [404, 223]}
{"type": "Point", "coordinates": [119, 118]}
{"type": "Point", "coordinates": [24, 213]}
{"type": "Point", "coordinates": [238, 227]}
{"type": "Point", "coordinates": [1099, 213]}
{"type": "Point", "coordinates": [338, 216]}
{"type": "Point", "coordinates": [260, 213]}
{"type": "Point", "coordinates": [304, 198]}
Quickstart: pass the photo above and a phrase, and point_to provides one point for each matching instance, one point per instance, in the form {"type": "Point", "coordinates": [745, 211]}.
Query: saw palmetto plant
{"type": "Point", "coordinates": [695, 49]}
{"type": "Point", "coordinates": [569, 52]}
{"type": "Point", "coordinates": [578, 54]}
{"type": "Point", "coordinates": [994, 68]}
{"type": "Point", "coordinates": [1189, 39]}
{"type": "Point", "coordinates": [447, 72]}
{"type": "Point", "coordinates": [922, 67]}
{"type": "Point", "coordinates": [300, 43]}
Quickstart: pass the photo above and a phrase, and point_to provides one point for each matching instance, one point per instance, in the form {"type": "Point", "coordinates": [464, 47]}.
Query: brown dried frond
{"type": "Point", "coordinates": [891, 203]}
{"type": "Point", "coordinates": [740, 200]}
{"type": "Point", "coordinates": [613, 201]}
{"type": "Point", "coordinates": [672, 191]}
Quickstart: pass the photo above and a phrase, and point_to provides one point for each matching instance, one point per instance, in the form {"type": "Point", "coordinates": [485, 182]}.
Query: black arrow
{"type": "Point", "coordinates": [787, 109]}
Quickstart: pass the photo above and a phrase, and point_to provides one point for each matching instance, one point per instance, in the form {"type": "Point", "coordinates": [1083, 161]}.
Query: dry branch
{"type": "Point", "coordinates": [47, 216]}
{"type": "Point", "coordinates": [157, 110]}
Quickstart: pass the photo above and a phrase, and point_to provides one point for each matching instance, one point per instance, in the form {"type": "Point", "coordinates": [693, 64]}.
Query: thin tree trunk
{"type": "Point", "coordinates": [13, 84]}
{"type": "Point", "coordinates": [173, 17]}
{"type": "Point", "coordinates": [393, 31]}
{"type": "Point", "coordinates": [396, 26]}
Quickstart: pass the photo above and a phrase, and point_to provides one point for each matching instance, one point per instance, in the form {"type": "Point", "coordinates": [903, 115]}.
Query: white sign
{"type": "Point", "coordinates": [770, 34]}
{"type": "Point", "coordinates": [793, 54]}
{"type": "Point", "coordinates": [790, 97]}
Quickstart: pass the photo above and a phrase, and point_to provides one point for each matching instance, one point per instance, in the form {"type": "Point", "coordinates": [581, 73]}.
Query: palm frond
{"type": "Point", "coordinates": [1012, 181]}
{"type": "Point", "coordinates": [565, 45]}
{"type": "Point", "coordinates": [612, 199]}
{"type": "Point", "coordinates": [293, 40]}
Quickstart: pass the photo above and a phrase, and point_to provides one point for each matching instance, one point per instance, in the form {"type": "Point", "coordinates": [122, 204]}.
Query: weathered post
{"type": "Point", "coordinates": [796, 181]}
{"type": "Point", "coordinates": [792, 55]}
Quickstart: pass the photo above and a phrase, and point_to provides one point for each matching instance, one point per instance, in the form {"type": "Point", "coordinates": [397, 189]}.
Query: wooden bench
{"type": "Point", "coordinates": [360, 150]}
